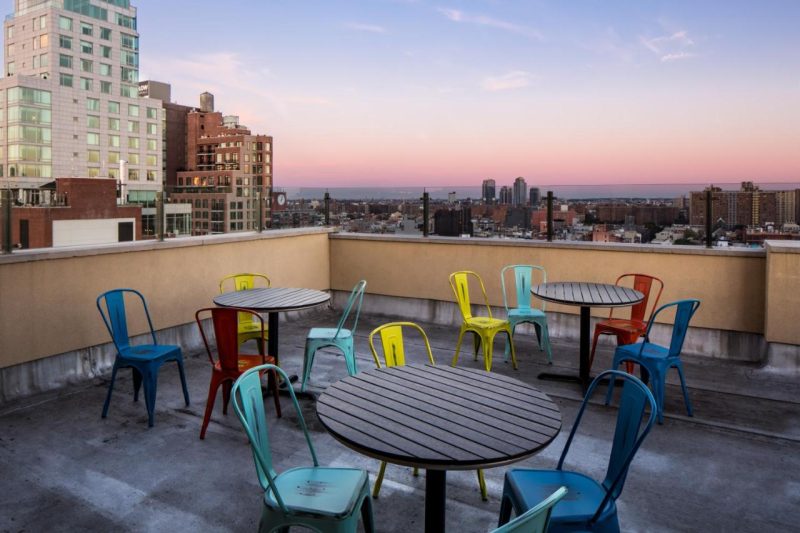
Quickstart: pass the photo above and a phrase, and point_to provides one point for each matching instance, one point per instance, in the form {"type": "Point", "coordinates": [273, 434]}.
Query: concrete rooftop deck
{"type": "Point", "coordinates": [734, 466]}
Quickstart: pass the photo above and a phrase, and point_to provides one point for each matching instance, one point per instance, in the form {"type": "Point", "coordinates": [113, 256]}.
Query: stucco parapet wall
{"type": "Point", "coordinates": [783, 247]}
{"type": "Point", "coordinates": [42, 254]}
{"type": "Point", "coordinates": [593, 246]}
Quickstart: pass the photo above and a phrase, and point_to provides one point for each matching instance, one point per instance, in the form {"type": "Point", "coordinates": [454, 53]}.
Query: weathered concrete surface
{"type": "Point", "coordinates": [735, 466]}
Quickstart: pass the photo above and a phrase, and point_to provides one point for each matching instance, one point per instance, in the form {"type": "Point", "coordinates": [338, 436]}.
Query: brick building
{"type": "Point", "coordinates": [749, 206]}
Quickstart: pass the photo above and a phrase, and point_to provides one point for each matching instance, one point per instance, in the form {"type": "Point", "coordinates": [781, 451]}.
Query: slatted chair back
{"type": "Point", "coordinates": [393, 347]}
{"type": "Point", "coordinates": [243, 282]}
{"type": "Point", "coordinates": [523, 280]}
{"type": "Point", "coordinates": [353, 304]}
{"type": "Point", "coordinates": [645, 284]}
{"type": "Point", "coordinates": [225, 321]}
{"type": "Point", "coordinates": [115, 318]}
{"type": "Point", "coordinates": [684, 311]}
{"type": "Point", "coordinates": [459, 282]}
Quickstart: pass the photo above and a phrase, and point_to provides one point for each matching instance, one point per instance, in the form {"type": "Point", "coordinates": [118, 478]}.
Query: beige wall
{"type": "Point", "coordinates": [783, 292]}
{"type": "Point", "coordinates": [48, 296]}
{"type": "Point", "coordinates": [731, 284]}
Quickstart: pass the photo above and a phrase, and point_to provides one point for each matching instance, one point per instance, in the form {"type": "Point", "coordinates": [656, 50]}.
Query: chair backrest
{"type": "Point", "coordinates": [226, 333]}
{"type": "Point", "coordinates": [115, 318]}
{"type": "Point", "coordinates": [394, 353]}
{"type": "Point", "coordinates": [644, 284]}
{"type": "Point", "coordinates": [243, 281]}
{"type": "Point", "coordinates": [685, 310]}
{"type": "Point", "coordinates": [248, 402]}
{"type": "Point", "coordinates": [537, 518]}
{"type": "Point", "coordinates": [523, 281]}
{"type": "Point", "coordinates": [459, 282]}
{"type": "Point", "coordinates": [356, 297]}
{"type": "Point", "coordinates": [629, 432]}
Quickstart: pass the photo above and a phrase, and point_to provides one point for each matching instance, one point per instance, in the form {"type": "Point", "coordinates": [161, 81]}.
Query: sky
{"type": "Point", "coordinates": [431, 93]}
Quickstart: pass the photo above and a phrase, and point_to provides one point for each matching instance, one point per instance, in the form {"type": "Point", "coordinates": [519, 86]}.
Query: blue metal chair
{"type": "Point", "coordinates": [144, 359]}
{"type": "Point", "coordinates": [656, 360]}
{"type": "Point", "coordinates": [591, 505]}
{"type": "Point", "coordinates": [320, 498]}
{"type": "Point", "coordinates": [536, 519]}
{"type": "Point", "coordinates": [338, 337]}
{"type": "Point", "coordinates": [524, 312]}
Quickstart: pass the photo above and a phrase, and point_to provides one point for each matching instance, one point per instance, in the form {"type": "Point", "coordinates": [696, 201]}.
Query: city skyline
{"type": "Point", "coordinates": [404, 93]}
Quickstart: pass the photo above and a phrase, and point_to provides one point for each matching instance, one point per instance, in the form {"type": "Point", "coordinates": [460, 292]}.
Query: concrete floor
{"type": "Point", "coordinates": [734, 466]}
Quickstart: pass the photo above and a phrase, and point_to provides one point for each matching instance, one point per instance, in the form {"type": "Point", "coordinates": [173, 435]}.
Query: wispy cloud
{"type": "Point", "coordinates": [676, 57]}
{"type": "Point", "coordinates": [516, 79]}
{"type": "Point", "coordinates": [456, 15]}
{"type": "Point", "coordinates": [371, 28]}
{"type": "Point", "coordinates": [672, 47]}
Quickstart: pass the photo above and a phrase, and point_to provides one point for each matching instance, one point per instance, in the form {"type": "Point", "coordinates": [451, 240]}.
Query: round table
{"type": "Point", "coordinates": [439, 418]}
{"type": "Point", "coordinates": [273, 300]}
{"type": "Point", "coordinates": [586, 295]}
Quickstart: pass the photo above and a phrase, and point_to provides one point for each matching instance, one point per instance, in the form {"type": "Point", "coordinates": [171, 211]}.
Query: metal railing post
{"type": "Point", "coordinates": [5, 219]}
{"type": "Point", "coordinates": [160, 215]}
{"type": "Point", "coordinates": [549, 216]}
{"type": "Point", "coordinates": [327, 208]}
{"type": "Point", "coordinates": [708, 219]}
{"type": "Point", "coordinates": [425, 212]}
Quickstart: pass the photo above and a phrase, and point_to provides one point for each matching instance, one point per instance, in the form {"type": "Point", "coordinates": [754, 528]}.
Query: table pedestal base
{"type": "Point", "coordinates": [583, 376]}
{"type": "Point", "coordinates": [435, 500]}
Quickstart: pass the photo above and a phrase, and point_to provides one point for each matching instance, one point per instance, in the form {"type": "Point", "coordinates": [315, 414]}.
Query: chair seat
{"type": "Point", "coordinates": [151, 352]}
{"type": "Point", "coordinates": [252, 328]}
{"type": "Point", "coordinates": [622, 324]}
{"type": "Point", "coordinates": [318, 491]}
{"type": "Point", "coordinates": [583, 498]}
{"type": "Point", "coordinates": [652, 352]}
{"type": "Point", "coordinates": [328, 333]}
{"type": "Point", "coordinates": [246, 362]}
{"type": "Point", "coordinates": [484, 322]}
{"type": "Point", "coordinates": [528, 312]}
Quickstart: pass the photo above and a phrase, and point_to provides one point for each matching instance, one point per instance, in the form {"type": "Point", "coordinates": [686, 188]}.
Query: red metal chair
{"type": "Point", "coordinates": [230, 363]}
{"type": "Point", "coordinates": [628, 330]}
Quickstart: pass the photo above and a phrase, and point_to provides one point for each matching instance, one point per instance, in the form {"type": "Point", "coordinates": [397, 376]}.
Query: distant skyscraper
{"type": "Point", "coordinates": [488, 191]}
{"type": "Point", "coordinates": [520, 193]}
{"type": "Point", "coordinates": [535, 196]}
{"type": "Point", "coordinates": [505, 195]}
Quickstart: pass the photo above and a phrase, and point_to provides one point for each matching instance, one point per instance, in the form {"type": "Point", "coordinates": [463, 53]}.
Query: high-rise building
{"type": "Point", "coordinates": [520, 192]}
{"type": "Point", "coordinates": [749, 206]}
{"type": "Point", "coordinates": [70, 98]}
{"type": "Point", "coordinates": [535, 196]}
{"type": "Point", "coordinates": [505, 195]}
{"type": "Point", "coordinates": [488, 191]}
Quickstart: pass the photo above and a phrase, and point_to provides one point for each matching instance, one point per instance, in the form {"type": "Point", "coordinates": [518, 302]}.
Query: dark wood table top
{"type": "Point", "coordinates": [587, 294]}
{"type": "Point", "coordinates": [272, 299]}
{"type": "Point", "coordinates": [439, 417]}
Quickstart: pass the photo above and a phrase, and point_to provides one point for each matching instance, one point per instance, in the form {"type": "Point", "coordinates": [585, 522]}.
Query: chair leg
{"type": "Point", "coordinates": [212, 396]}
{"type": "Point", "coordinates": [227, 385]}
{"type": "Point", "coordinates": [366, 515]}
{"type": "Point", "coordinates": [610, 391]}
{"type": "Point", "coordinates": [150, 384]}
{"type": "Point", "coordinates": [482, 485]}
{"type": "Point", "coordinates": [272, 383]}
{"type": "Point", "coordinates": [182, 373]}
{"type": "Point", "coordinates": [476, 343]}
{"type": "Point", "coordinates": [379, 480]}
{"type": "Point", "coordinates": [507, 351]}
{"type": "Point", "coordinates": [308, 361]}
{"type": "Point", "coordinates": [686, 400]}
{"type": "Point", "coordinates": [513, 350]}
{"type": "Point", "coordinates": [594, 347]}
{"type": "Point", "coordinates": [110, 389]}
{"type": "Point", "coordinates": [350, 360]}
{"type": "Point", "coordinates": [546, 343]}
{"type": "Point", "coordinates": [658, 391]}
{"type": "Point", "coordinates": [505, 511]}
{"type": "Point", "coordinates": [487, 343]}
{"type": "Point", "coordinates": [137, 383]}
{"type": "Point", "coordinates": [458, 346]}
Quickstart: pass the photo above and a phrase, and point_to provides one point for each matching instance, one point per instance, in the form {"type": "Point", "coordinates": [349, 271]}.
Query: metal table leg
{"type": "Point", "coordinates": [435, 500]}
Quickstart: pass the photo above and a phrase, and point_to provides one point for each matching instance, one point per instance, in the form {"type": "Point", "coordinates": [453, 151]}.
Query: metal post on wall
{"type": "Point", "coordinates": [160, 215]}
{"type": "Point", "coordinates": [549, 216]}
{"type": "Point", "coordinates": [260, 201]}
{"type": "Point", "coordinates": [426, 198]}
{"type": "Point", "coordinates": [709, 243]}
{"type": "Point", "coordinates": [327, 208]}
{"type": "Point", "coordinates": [5, 219]}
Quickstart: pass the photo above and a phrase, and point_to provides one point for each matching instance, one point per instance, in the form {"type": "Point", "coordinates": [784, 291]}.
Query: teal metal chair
{"type": "Point", "coordinates": [323, 499]}
{"type": "Point", "coordinates": [656, 360]}
{"type": "Point", "coordinates": [535, 519]}
{"type": "Point", "coordinates": [524, 312]}
{"type": "Point", "coordinates": [338, 337]}
{"type": "Point", "coordinates": [591, 505]}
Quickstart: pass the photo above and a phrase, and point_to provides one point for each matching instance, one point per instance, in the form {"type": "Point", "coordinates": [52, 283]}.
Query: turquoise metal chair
{"type": "Point", "coordinates": [338, 337]}
{"type": "Point", "coordinates": [144, 359]}
{"type": "Point", "coordinates": [536, 519]}
{"type": "Point", "coordinates": [592, 505]}
{"type": "Point", "coordinates": [656, 360]}
{"type": "Point", "coordinates": [524, 312]}
{"type": "Point", "coordinates": [320, 498]}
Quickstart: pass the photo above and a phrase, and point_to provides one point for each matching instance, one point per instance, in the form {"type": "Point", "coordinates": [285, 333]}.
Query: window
{"type": "Point", "coordinates": [113, 173]}
{"type": "Point", "coordinates": [86, 29]}
{"type": "Point", "coordinates": [131, 42]}
{"type": "Point", "coordinates": [113, 157]}
{"type": "Point", "coordinates": [44, 41]}
{"type": "Point", "coordinates": [44, 61]}
{"type": "Point", "coordinates": [93, 139]}
{"type": "Point", "coordinates": [86, 47]}
{"type": "Point", "coordinates": [125, 21]}
{"type": "Point", "coordinates": [133, 110]}
{"type": "Point", "coordinates": [28, 96]}
{"type": "Point", "coordinates": [113, 141]}
{"type": "Point", "coordinates": [152, 175]}
{"type": "Point", "coordinates": [87, 65]}
{"type": "Point", "coordinates": [65, 42]}
{"type": "Point", "coordinates": [105, 34]}
{"type": "Point", "coordinates": [10, 33]}
{"type": "Point", "coordinates": [129, 75]}
{"type": "Point", "coordinates": [93, 121]}
{"type": "Point", "coordinates": [92, 172]}
{"type": "Point", "coordinates": [152, 144]}
{"type": "Point", "coordinates": [10, 49]}
{"type": "Point", "coordinates": [130, 59]}
{"type": "Point", "coordinates": [93, 104]}
{"type": "Point", "coordinates": [152, 129]}
{"type": "Point", "coordinates": [105, 69]}
{"type": "Point", "coordinates": [133, 143]}
{"type": "Point", "coordinates": [133, 126]}
{"type": "Point", "coordinates": [93, 156]}
{"type": "Point", "coordinates": [151, 160]}
{"type": "Point", "coordinates": [105, 51]}
{"type": "Point", "coordinates": [65, 80]}
{"type": "Point", "coordinates": [152, 112]}
{"type": "Point", "coordinates": [113, 107]}
{"type": "Point", "coordinates": [65, 23]}
{"type": "Point", "coordinates": [133, 158]}
{"type": "Point", "coordinates": [113, 124]}
{"type": "Point", "coordinates": [86, 84]}
{"type": "Point", "coordinates": [130, 91]}
{"type": "Point", "coordinates": [43, 22]}
{"type": "Point", "coordinates": [64, 61]}
{"type": "Point", "coordinates": [133, 174]}
{"type": "Point", "coordinates": [11, 68]}
{"type": "Point", "coordinates": [105, 87]}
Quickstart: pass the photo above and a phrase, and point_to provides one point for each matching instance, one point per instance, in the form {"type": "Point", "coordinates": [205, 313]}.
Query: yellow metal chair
{"type": "Point", "coordinates": [483, 327]}
{"type": "Point", "coordinates": [249, 326]}
{"type": "Point", "coordinates": [394, 354]}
